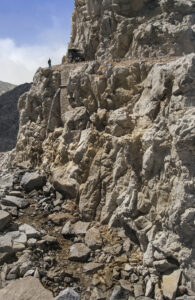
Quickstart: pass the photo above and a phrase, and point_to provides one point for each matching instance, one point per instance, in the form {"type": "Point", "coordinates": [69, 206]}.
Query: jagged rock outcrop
{"type": "Point", "coordinates": [34, 110]}
{"type": "Point", "coordinates": [27, 288]}
{"type": "Point", "coordinates": [9, 116]}
{"type": "Point", "coordinates": [125, 150]}
{"type": "Point", "coordinates": [138, 28]}
{"type": "Point", "coordinates": [116, 138]}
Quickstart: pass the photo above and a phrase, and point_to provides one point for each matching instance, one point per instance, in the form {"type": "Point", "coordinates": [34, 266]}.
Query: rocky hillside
{"type": "Point", "coordinates": [5, 87]}
{"type": "Point", "coordinates": [138, 28]}
{"type": "Point", "coordinates": [9, 116]}
{"type": "Point", "coordinates": [112, 139]}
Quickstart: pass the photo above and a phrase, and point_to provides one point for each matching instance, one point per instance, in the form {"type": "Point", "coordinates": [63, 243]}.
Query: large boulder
{"type": "Point", "coordinates": [120, 293]}
{"type": "Point", "coordinates": [15, 201]}
{"type": "Point", "coordinates": [59, 218]}
{"type": "Point", "coordinates": [92, 267]}
{"type": "Point", "coordinates": [28, 288]}
{"type": "Point", "coordinates": [81, 227]}
{"type": "Point", "coordinates": [33, 181]}
{"type": "Point", "coordinates": [17, 237]}
{"type": "Point", "coordinates": [5, 218]}
{"type": "Point", "coordinates": [79, 252]}
{"type": "Point", "coordinates": [10, 243]}
{"type": "Point", "coordinates": [93, 238]}
{"type": "Point", "coordinates": [68, 294]}
{"type": "Point", "coordinates": [68, 230]}
{"type": "Point", "coordinates": [65, 185]}
{"type": "Point", "coordinates": [30, 231]}
{"type": "Point", "coordinates": [6, 244]}
{"type": "Point", "coordinates": [170, 284]}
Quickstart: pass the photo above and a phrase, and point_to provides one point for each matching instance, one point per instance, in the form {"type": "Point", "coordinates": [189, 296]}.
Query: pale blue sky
{"type": "Point", "coordinates": [30, 32]}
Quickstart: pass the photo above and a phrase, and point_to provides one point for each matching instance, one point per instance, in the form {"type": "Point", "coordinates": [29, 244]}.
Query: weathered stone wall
{"type": "Point", "coordinates": [124, 149]}
{"type": "Point", "coordinates": [119, 138]}
{"type": "Point", "coordinates": [34, 108]}
{"type": "Point", "coordinates": [138, 28]}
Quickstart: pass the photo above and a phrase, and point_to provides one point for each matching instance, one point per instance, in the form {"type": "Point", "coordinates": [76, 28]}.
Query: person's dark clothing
{"type": "Point", "coordinates": [49, 63]}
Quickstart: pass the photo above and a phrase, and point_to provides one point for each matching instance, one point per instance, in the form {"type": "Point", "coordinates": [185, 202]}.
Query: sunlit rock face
{"type": "Point", "coordinates": [119, 138]}
{"type": "Point", "coordinates": [142, 28]}
{"type": "Point", "coordinates": [124, 147]}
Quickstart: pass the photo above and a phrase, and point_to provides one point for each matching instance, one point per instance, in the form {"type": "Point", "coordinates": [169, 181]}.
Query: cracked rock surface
{"type": "Point", "coordinates": [104, 162]}
{"type": "Point", "coordinates": [127, 162]}
{"type": "Point", "coordinates": [139, 28]}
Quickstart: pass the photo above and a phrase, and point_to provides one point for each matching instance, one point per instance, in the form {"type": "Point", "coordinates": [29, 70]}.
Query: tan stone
{"type": "Point", "coordinates": [28, 288]}
{"type": "Point", "coordinates": [60, 218]}
{"type": "Point", "coordinates": [5, 218]}
{"type": "Point", "coordinates": [170, 284]}
{"type": "Point", "coordinates": [93, 238]}
{"type": "Point", "coordinates": [79, 252]}
{"type": "Point", "coordinates": [81, 227]}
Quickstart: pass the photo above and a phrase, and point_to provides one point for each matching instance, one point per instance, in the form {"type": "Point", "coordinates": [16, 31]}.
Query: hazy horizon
{"type": "Point", "coordinates": [30, 33]}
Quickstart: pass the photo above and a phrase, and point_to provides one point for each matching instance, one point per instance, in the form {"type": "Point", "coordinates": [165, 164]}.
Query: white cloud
{"type": "Point", "coordinates": [19, 63]}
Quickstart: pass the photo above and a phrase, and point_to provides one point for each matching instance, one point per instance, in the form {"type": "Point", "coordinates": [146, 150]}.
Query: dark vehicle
{"type": "Point", "coordinates": [75, 55]}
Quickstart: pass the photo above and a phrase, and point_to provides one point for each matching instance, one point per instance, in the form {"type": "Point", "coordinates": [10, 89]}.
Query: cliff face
{"type": "Point", "coordinates": [9, 117]}
{"type": "Point", "coordinates": [118, 139]}
{"type": "Point", "coordinates": [138, 28]}
{"type": "Point", "coordinates": [123, 147]}
{"type": "Point", "coordinates": [34, 109]}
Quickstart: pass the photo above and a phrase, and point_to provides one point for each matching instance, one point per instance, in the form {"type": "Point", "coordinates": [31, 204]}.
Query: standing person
{"type": "Point", "coordinates": [49, 62]}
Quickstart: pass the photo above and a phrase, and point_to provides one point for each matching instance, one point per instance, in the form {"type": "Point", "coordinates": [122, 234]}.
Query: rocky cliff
{"type": "Point", "coordinates": [116, 137]}
{"type": "Point", "coordinates": [138, 28]}
{"type": "Point", "coordinates": [9, 116]}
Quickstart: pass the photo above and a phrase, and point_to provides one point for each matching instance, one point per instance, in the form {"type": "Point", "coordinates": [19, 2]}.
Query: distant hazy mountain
{"type": "Point", "coordinates": [5, 87]}
{"type": "Point", "coordinates": [9, 117]}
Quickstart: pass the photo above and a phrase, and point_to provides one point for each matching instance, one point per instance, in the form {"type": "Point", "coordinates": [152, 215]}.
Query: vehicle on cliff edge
{"type": "Point", "coordinates": [75, 55]}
